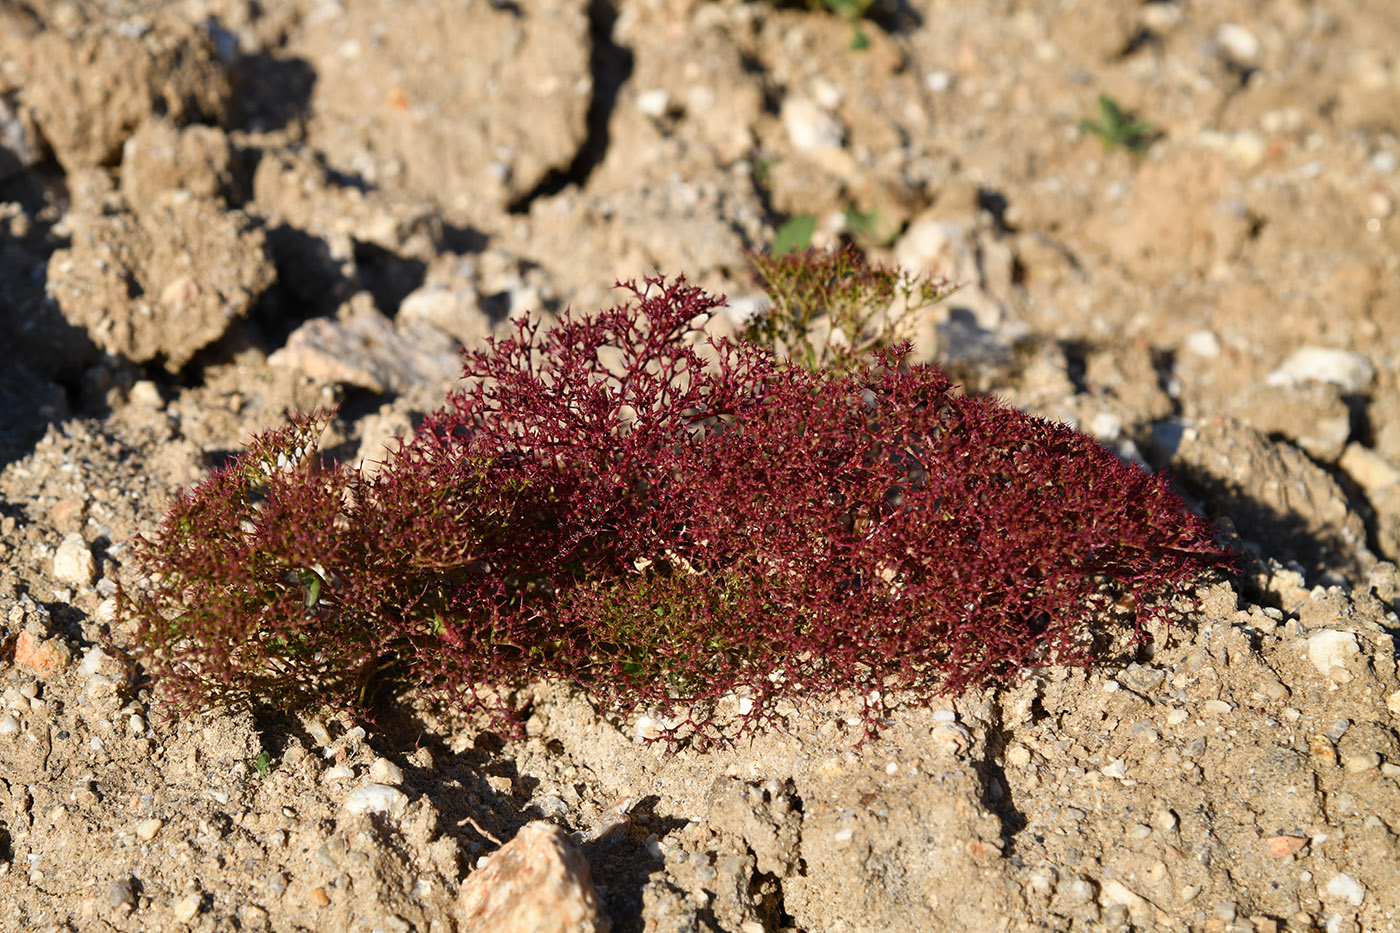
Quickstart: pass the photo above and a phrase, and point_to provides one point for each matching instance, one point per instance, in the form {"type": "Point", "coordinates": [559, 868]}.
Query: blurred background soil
{"type": "Point", "coordinates": [215, 213]}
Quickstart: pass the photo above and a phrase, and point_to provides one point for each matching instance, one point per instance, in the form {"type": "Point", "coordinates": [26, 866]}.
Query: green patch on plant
{"type": "Point", "coordinates": [1119, 129]}
{"type": "Point", "coordinates": [834, 309]}
{"type": "Point", "coordinates": [794, 235]}
{"type": "Point", "coordinates": [262, 763]}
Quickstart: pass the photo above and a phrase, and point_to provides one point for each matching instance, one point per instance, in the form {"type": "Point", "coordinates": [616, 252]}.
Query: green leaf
{"type": "Point", "coordinates": [794, 235]}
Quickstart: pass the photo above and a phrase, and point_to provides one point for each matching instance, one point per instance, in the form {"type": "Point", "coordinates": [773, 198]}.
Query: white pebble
{"type": "Point", "coordinates": [844, 835]}
{"type": "Point", "coordinates": [93, 659]}
{"type": "Point", "coordinates": [809, 127]}
{"type": "Point", "coordinates": [944, 715]}
{"type": "Point", "coordinates": [146, 829]}
{"type": "Point", "coordinates": [1203, 343]}
{"type": "Point", "coordinates": [384, 771]}
{"type": "Point", "coordinates": [73, 563]}
{"type": "Point", "coordinates": [1115, 769]}
{"type": "Point", "coordinates": [136, 725]}
{"type": "Point", "coordinates": [377, 798]}
{"type": "Point", "coordinates": [1344, 368]}
{"type": "Point", "coordinates": [1330, 649]}
{"type": "Point", "coordinates": [653, 103]}
{"type": "Point", "coordinates": [1346, 888]}
{"type": "Point", "coordinates": [1217, 707]}
{"type": "Point", "coordinates": [338, 773]}
{"type": "Point", "coordinates": [1242, 44]}
{"type": "Point", "coordinates": [9, 725]}
{"type": "Point", "coordinates": [186, 908]}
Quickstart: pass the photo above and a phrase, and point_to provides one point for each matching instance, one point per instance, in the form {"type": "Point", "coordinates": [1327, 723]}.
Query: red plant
{"type": "Point", "coordinates": [667, 520]}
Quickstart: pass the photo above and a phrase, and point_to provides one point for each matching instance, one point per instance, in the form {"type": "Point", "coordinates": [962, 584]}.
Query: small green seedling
{"type": "Point", "coordinates": [853, 12]}
{"type": "Point", "coordinates": [794, 235]}
{"type": "Point", "coordinates": [1116, 128]}
{"type": "Point", "coordinates": [262, 763]}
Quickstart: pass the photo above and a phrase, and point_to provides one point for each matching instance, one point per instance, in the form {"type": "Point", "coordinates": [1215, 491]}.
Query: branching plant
{"type": "Point", "coordinates": [680, 525]}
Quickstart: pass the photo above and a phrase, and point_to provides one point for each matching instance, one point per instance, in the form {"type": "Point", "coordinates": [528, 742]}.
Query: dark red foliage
{"type": "Point", "coordinates": [665, 520]}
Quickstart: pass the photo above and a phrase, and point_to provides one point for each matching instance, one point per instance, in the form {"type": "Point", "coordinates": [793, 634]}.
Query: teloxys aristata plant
{"type": "Point", "coordinates": [667, 521]}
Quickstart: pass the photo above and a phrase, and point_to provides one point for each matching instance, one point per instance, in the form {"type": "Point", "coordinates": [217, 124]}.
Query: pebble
{"type": "Point", "coordinates": [1361, 761]}
{"type": "Point", "coordinates": [73, 563]}
{"type": "Point", "coordinates": [1241, 44]}
{"type": "Point", "coordinates": [186, 907]}
{"type": "Point", "coordinates": [809, 127]}
{"type": "Point", "coordinates": [1331, 649]}
{"type": "Point", "coordinates": [1217, 707]}
{"type": "Point", "coordinates": [44, 656]}
{"type": "Point", "coordinates": [1284, 846]}
{"type": "Point", "coordinates": [9, 725]}
{"type": "Point", "coordinates": [1348, 369]}
{"type": "Point", "coordinates": [146, 829]}
{"type": "Point", "coordinates": [1346, 888]}
{"type": "Point", "coordinates": [1203, 343]}
{"type": "Point", "coordinates": [120, 893]}
{"type": "Point", "coordinates": [377, 798]}
{"type": "Point", "coordinates": [338, 773]}
{"type": "Point", "coordinates": [384, 771]}
{"type": "Point", "coordinates": [654, 102]}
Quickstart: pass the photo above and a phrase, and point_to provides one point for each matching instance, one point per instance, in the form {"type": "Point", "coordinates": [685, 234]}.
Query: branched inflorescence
{"type": "Point", "coordinates": [669, 521]}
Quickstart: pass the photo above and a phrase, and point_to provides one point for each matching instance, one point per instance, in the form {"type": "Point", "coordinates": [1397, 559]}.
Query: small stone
{"type": "Point", "coordinates": [146, 829]}
{"type": "Point", "coordinates": [44, 656]}
{"type": "Point", "coordinates": [384, 771]}
{"type": "Point", "coordinates": [1217, 707]}
{"type": "Point", "coordinates": [136, 725]}
{"type": "Point", "coordinates": [1322, 750]}
{"type": "Point", "coordinates": [1165, 820]}
{"type": "Point", "coordinates": [1018, 756]}
{"type": "Point", "coordinates": [186, 907]}
{"type": "Point", "coordinates": [121, 893]}
{"type": "Point", "coordinates": [1362, 761]}
{"type": "Point", "coordinates": [539, 882]}
{"type": "Point", "coordinates": [1331, 649]}
{"type": "Point", "coordinates": [1115, 769]}
{"type": "Point", "coordinates": [1176, 717]}
{"type": "Point", "coordinates": [1370, 470]}
{"type": "Point", "coordinates": [1346, 888]}
{"type": "Point", "coordinates": [1157, 872]}
{"type": "Point", "coordinates": [809, 127]}
{"type": "Point", "coordinates": [1138, 831]}
{"type": "Point", "coordinates": [377, 798]}
{"type": "Point", "coordinates": [1203, 343]}
{"type": "Point", "coordinates": [843, 835]}
{"type": "Point", "coordinates": [654, 102]}
{"type": "Point", "coordinates": [320, 898]}
{"type": "Point", "coordinates": [1241, 44]}
{"type": "Point", "coordinates": [73, 563]}
{"type": "Point", "coordinates": [1392, 703]}
{"type": "Point", "coordinates": [338, 773]}
{"type": "Point", "coordinates": [1351, 371]}
{"type": "Point", "coordinates": [1284, 846]}
{"type": "Point", "coordinates": [9, 725]}
{"type": "Point", "coordinates": [145, 393]}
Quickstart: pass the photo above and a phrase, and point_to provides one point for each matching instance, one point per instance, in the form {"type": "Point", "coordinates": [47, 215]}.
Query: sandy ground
{"type": "Point", "coordinates": [214, 213]}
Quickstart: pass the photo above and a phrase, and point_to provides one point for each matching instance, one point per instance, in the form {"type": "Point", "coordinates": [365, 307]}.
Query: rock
{"type": "Point", "coordinates": [161, 157]}
{"type": "Point", "coordinates": [1271, 492]}
{"type": "Point", "coordinates": [1346, 888]}
{"type": "Point", "coordinates": [1349, 370]}
{"type": "Point", "coordinates": [1331, 649]}
{"type": "Point", "coordinates": [1284, 846]}
{"type": "Point", "coordinates": [186, 907]}
{"type": "Point", "coordinates": [810, 127]}
{"type": "Point", "coordinates": [91, 87]}
{"type": "Point", "coordinates": [363, 349]}
{"type": "Point", "coordinates": [538, 882]}
{"type": "Point", "coordinates": [44, 656]}
{"type": "Point", "coordinates": [21, 146]}
{"type": "Point", "coordinates": [384, 771]}
{"type": "Point", "coordinates": [504, 103]}
{"type": "Point", "coordinates": [73, 562]}
{"type": "Point", "coordinates": [377, 798]}
{"type": "Point", "coordinates": [1311, 414]}
{"type": "Point", "coordinates": [121, 893]}
{"type": "Point", "coordinates": [164, 283]}
{"type": "Point", "coordinates": [454, 311]}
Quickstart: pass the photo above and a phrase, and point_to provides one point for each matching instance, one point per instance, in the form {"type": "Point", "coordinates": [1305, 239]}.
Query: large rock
{"type": "Point", "coordinates": [90, 86]}
{"type": "Point", "coordinates": [161, 284]}
{"type": "Point", "coordinates": [536, 883]}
